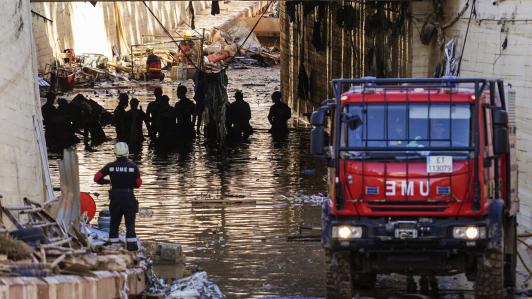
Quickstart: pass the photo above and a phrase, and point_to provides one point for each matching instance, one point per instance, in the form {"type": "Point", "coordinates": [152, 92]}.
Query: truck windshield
{"type": "Point", "coordinates": [414, 126]}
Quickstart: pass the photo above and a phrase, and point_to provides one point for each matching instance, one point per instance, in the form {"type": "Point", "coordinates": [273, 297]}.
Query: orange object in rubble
{"type": "Point", "coordinates": [218, 56]}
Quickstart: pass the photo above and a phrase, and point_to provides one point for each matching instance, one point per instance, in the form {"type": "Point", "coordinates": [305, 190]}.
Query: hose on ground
{"type": "Point", "coordinates": [519, 255]}
{"type": "Point", "coordinates": [523, 262]}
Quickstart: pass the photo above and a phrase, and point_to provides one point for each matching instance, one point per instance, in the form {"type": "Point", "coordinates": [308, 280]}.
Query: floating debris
{"type": "Point", "coordinates": [300, 197]}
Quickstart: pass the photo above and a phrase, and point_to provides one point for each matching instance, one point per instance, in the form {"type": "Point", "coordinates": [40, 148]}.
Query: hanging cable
{"type": "Point", "coordinates": [473, 10]}
{"type": "Point", "coordinates": [119, 23]}
{"type": "Point", "coordinates": [172, 38]}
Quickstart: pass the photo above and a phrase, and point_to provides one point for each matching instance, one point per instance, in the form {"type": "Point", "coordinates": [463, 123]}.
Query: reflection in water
{"type": "Point", "coordinates": [241, 246]}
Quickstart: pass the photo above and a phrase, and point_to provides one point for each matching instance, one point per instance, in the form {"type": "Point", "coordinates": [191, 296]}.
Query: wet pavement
{"type": "Point", "coordinates": [243, 247]}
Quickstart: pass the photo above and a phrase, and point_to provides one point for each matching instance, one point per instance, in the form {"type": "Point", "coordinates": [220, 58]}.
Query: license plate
{"type": "Point", "coordinates": [439, 164]}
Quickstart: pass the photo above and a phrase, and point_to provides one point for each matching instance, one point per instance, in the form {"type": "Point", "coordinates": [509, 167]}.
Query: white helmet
{"type": "Point", "coordinates": [121, 149]}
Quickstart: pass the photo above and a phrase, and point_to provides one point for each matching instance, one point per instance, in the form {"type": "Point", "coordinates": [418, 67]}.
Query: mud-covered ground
{"type": "Point", "coordinates": [243, 247]}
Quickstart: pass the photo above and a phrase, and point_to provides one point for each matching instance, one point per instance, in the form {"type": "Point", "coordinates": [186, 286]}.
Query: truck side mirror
{"type": "Point", "coordinates": [500, 140]}
{"type": "Point", "coordinates": [317, 140]}
{"type": "Point", "coordinates": [500, 132]}
{"type": "Point", "coordinates": [500, 117]}
{"type": "Point", "coordinates": [318, 117]}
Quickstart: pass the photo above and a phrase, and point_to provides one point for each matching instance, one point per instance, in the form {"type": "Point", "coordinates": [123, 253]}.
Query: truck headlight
{"type": "Point", "coordinates": [346, 232]}
{"type": "Point", "coordinates": [469, 232]}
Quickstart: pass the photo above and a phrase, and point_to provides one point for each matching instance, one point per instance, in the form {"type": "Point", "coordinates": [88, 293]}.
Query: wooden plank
{"type": "Point", "coordinates": [58, 260]}
{"type": "Point", "coordinates": [56, 243]}
{"type": "Point", "coordinates": [12, 218]}
{"type": "Point", "coordinates": [30, 211]}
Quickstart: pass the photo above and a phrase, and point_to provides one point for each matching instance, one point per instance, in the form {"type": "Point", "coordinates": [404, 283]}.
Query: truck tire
{"type": "Point", "coordinates": [490, 275]}
{"type": "Point", "coordinates": [31, 234]}
{"type": "Point", "coordinates": [339, 283]}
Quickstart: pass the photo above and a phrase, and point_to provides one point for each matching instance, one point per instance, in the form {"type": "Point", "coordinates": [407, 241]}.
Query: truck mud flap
{"type": "Point", "coordinates": [495, 224]}
{"type": "Point", "coordinates": [326, 222]}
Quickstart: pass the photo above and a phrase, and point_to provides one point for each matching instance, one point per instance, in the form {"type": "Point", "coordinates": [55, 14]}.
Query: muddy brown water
{"type": "Point", "coordinates": [241, 246]}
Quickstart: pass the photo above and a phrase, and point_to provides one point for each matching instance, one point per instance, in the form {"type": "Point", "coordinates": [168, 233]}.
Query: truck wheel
{"type": "Point", "coordinates": [490, 275]}
{"type": "Point", "coordinates": [339, 283]}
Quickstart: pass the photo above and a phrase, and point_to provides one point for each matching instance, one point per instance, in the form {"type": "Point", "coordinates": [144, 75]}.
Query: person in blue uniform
{"type": "Point", "coordinates": [124, 177]}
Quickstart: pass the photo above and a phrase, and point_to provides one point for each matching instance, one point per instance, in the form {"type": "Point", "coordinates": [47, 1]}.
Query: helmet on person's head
{"type": "Point", "coordinates": [121, 149]}
{"type": "Point", "coordinates": [182, 88]}
{"type": "Point", "coordinates": [277, 94]}
{"type": "Point", "coordinates": [149, 49]}
{"type": "Point", "coordinates": [123, 97]}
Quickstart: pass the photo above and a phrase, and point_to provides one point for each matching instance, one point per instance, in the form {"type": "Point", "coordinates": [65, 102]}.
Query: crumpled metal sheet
{"type": "Point", "coordinates": [69, 207]}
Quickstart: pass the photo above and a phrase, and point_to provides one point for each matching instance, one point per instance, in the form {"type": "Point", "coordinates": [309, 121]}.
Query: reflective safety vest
{"type": "Point", "coordinates": [154, 67]}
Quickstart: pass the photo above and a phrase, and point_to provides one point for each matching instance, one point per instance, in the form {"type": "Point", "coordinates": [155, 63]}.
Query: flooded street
{"type": "Point", "coordinates": [243, 247]}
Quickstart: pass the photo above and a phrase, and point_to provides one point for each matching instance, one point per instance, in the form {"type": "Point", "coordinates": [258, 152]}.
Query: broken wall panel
{"type": "Point", "coordinates": [485, 56]}
{"type": "Point", "coordinates": [94, 29]}
{"type": "Point", "coordinates": [353, 45]}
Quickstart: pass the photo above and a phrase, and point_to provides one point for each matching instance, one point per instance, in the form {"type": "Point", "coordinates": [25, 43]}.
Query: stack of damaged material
{"type": "Point", "coordinates": [247, 51]}
{"type": "Point", "coordinates": [43, 247]}
{"type": "Point", "coordinates": [82, 71]}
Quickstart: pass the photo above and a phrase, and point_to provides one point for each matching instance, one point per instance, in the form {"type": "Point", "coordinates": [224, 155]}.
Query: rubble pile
{"type": "Point", "coordinates": [238, 47]}
{"type": "Point", "coordinates": [42, 247]}
{"type": "Point", "coordinates": [71, 71]}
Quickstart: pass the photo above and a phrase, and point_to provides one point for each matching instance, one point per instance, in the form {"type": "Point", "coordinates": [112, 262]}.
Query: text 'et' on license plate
{"type": "Point", "coordinates": [439, 164]}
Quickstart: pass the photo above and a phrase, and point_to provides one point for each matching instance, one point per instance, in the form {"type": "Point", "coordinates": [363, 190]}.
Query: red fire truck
{"type": "Point", "coordinates": [422, 180]}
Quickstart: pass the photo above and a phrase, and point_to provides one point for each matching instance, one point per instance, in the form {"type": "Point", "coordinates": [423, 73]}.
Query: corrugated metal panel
{"type": "Point", "coordinates": [43, 83]}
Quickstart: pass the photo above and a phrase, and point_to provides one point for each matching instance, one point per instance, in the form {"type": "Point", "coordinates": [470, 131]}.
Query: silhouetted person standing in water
{"type": "Point", "coordinates": [133, 120]}
{"type": "Point", "coordinates": [151, 113]}
{"type": "Point", "coordinates": [240, 113]}
{"type": "Point", "coordinates": [279, 114]}
{"type": "Point", "coordinates": [185, 110]}
{"type": "Point", "coordinates": [48, 109]}
{"type": "Point", "coordinates": [120, 113]}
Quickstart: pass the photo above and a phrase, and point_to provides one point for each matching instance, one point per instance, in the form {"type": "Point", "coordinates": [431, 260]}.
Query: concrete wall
{"type": "Point", "coordinates": [93, 29]}
{"type": "Point", "coordinates": [485, 57]}
{"type": "Point", "coordinates": [21, 171]}
{"type": "Point", "coordinates": [344, 52]}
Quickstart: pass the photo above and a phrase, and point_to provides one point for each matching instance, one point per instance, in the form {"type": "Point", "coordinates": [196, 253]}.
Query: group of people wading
{"type": "Point", "coordinates": [170, 124]}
